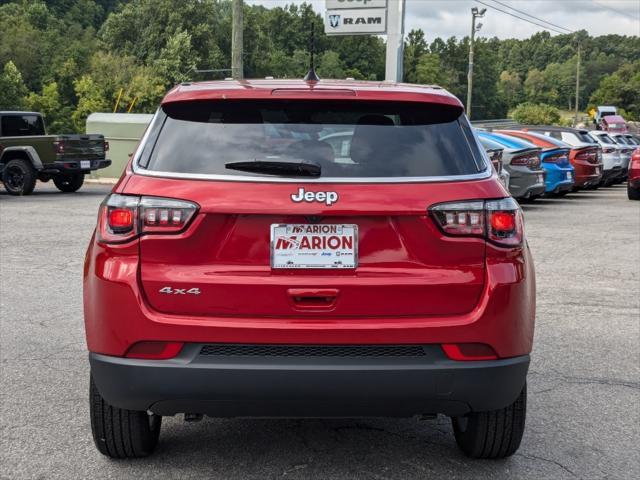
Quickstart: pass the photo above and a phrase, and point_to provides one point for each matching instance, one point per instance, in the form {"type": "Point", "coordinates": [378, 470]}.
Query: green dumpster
{"type": "Point", "coordinates": [123, 131]}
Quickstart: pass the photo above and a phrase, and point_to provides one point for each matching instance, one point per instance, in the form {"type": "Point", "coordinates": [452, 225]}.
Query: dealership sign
{"type": "Point", "coordinates": [356, 21]}
{"type": "Point", "coordinates": [336, 4]}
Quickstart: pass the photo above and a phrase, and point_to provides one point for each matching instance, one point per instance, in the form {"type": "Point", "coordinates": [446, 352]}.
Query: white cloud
{"type": "Point", "coordinates": [446, 18]}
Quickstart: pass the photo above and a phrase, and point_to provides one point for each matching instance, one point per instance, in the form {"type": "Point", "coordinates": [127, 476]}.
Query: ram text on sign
{"type": "Point", "coordinates": [336, 4]}
{"type": "Point", "coordinates": [356, 21]}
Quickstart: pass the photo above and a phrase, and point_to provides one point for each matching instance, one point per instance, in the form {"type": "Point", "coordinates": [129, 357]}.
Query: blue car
{"type": "Point", "coordinates": [561, 175]}
{"type": "Point", "coordinates": [521, 160]}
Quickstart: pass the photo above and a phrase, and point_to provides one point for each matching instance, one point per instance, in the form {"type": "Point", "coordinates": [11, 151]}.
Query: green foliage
{"type": "Point", "coordinates": [330, 65]}
{"type": "Point", "coordinates": [12, 88]}
{"type": "Point", "coordinates": [510, 88]}
{"type": "Point", "coordinates": [428, 70]}
{"type": "Point", "coordinates": [90, 99]}
{"type": "Point", "coordinates": [621, 88]}
{"type": "Point", "coordinates": [68, 58]}
{"type": "Point", "coordinates": [536, 114]}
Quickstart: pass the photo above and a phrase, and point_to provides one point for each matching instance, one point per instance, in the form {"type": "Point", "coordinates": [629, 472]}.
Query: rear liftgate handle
{"type": "Point", "coordinates": [313, 298]}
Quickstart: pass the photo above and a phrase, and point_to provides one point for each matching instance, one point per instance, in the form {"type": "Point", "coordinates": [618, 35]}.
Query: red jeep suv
{"type": "Point", "coordinates": [309, 249]}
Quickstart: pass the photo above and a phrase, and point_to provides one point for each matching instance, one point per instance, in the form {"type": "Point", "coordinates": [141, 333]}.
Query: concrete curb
{"type": "Point", "coordinates": [101, 181]}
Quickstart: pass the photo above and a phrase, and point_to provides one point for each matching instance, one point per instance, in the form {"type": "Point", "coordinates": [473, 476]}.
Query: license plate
{"type": "Point", "coordinates": [569, 176]}
{"type": "Point", "coordinates": [85, 164]}
{"type": "Point", "coordinates": [314, 246]}
{"type": "Point", "coordinates": [540, 178]}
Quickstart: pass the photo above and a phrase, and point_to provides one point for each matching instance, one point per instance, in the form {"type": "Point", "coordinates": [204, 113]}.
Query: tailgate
{"type": "Point", "coordinates": [405, 265]}
{"type": "Point", "coordinates": [82, 147]}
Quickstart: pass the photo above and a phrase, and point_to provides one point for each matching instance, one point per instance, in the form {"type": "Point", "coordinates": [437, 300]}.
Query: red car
{"type": "Point", "coordinates": [243, 267]}
{"type": "Point", "coordinates": [633, 185]}
{"type": "Point", "coordinates": [586, 159]}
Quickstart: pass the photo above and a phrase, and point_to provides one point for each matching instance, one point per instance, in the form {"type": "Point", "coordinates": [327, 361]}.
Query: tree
{"type": "Point", "coordinates": [177, 59]}
{"type": "Point", "coordinates": [510, 88]}
{"type": "Point", "coordinates": [330, 65]}
{"type": "Point", "coordinates": [415, 48]}
{"type": "Point", "coordinates": [536, 114]}
{"type": "Point", "coordinates": [429, 71]}
{"type": "Point", "coordinates": [622, 88]}
{"type": "Point", "coordinates": [12, 89]}
{"type": "Point", "coordinates": [90, 99]}
{"type": "Point", "coordinates": [534, 86]}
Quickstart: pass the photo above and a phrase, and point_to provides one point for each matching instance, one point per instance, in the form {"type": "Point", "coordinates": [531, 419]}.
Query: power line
{"type": "Point", "coordinates": [533, 16]}
{"type": "Point", "coordinates": [615, 10]}
{"type": "Point", "coordinates": [521, 18]}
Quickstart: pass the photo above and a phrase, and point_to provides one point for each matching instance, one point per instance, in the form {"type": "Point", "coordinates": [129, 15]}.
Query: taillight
{"type": "Point", "coordinates": [590, 156]}
{"type": "Point", "coordinates": [58, 145]}
{"type": "Point", "coordinates": [498, 221]}
{"type": "Point", "coordinates": [163, 215]}
{"type": "Point", "coordinates": [557, 158]}
{"type": "Point", "coordinates": [496, 159]}
{"type": "Point", "coordinates": [124, 217]}
{"type": "Point", "coordinates": [531, 160]}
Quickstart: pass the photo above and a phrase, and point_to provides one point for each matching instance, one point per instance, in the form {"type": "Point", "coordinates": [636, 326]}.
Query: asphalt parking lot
{"type": "Point", "coordinates": [584, 383]}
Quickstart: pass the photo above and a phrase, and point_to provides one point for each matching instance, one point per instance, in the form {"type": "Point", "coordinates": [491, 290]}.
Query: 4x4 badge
{"type": "Point", "coordinates": [180, 291]}
{"type": "Point", "coordinates": [328, 198]}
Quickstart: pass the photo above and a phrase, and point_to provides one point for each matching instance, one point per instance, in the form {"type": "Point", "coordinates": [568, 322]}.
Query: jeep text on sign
{"type": "Point", "coordinates": [340, 4]}
{"type": "Point", "coordinates": [356, 21]}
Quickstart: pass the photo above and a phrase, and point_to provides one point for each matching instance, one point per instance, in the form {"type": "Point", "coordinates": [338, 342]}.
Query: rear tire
{"type": "Point", "coordinates": [633, 193]}
{"type": "Point", "coordinates": [69, 182]}
{"type": "Point", "coordinates": [120, 433]}
{"type": "Point", "coordinates": [493, 434]}
{"type": "Point", "coordinates": [19, 177]}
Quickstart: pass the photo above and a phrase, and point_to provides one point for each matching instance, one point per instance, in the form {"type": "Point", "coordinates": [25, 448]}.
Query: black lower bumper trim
{"type": "Point", "coordinates": [63, 166]}
{"type": "Point", "coordinates": [271, 386]}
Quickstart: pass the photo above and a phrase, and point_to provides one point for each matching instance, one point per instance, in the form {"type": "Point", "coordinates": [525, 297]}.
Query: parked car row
{"type": "Point", "coordinates": [553, 161]}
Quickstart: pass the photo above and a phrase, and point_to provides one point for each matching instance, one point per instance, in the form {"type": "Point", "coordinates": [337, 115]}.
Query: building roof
{"type": "Point", "coordinates": [137, 118]}
{"type": "Point", "coordinates": [309, 90]}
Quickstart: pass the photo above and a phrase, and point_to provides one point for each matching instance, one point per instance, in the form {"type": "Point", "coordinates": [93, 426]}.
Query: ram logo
{"type": "Point", "coordinates": [334, 21]}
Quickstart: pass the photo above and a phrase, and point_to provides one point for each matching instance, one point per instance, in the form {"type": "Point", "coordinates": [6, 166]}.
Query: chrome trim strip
{"type": "Point", "coordinates": [244, 178]}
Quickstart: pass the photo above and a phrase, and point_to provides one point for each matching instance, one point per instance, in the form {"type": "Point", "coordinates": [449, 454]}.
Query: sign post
{"type": "Point", "coordinates": [371, 17]}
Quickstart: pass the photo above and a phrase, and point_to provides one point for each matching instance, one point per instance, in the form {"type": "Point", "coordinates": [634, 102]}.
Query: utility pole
{"type": "Point", "coordinates": [577, 87]}
{"type": "Point", "coordinates": [475, 13]}
{"type": "Point", "coordinates": [237, 69]}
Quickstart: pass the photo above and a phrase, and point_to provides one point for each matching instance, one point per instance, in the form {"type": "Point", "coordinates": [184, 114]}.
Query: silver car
{"type": "Point", "coordinates": [626, 149]}
{"type": "Point", "coordinates": [611, 157]}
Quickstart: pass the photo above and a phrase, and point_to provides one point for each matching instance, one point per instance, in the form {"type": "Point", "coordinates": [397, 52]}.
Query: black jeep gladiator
{"type": "Point", "coordinates": [28, 154]}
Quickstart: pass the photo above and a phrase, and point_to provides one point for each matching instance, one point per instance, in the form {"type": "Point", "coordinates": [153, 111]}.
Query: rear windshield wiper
{"type": "Point", "coordinates": [298, 168]}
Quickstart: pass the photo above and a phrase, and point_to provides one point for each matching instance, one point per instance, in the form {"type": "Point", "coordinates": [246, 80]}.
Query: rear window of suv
{"type": "Point", "coordinates": [346, 139]}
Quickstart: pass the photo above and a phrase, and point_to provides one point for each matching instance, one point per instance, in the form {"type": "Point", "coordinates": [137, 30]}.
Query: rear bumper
{"type": "Point", "coordinates": [558, 179]}
{"type": "Point", "coordinates": [587, 174]}
{"type": "Point", "coordinates": [524, 182]}
{"type": "Point", "coordinates": [300, 386]}
{"type": "Point", "coordinates": [71, 166]}
{"type": "Point", "coordinates": [612, 174]}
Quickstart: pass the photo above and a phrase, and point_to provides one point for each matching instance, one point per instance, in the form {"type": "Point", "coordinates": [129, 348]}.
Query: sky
{"type": "Point", "coordinates": [446, 18]}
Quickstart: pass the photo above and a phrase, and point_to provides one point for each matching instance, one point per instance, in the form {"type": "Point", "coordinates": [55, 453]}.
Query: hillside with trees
{"type": "Point", "coordinates": [68, 58]}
